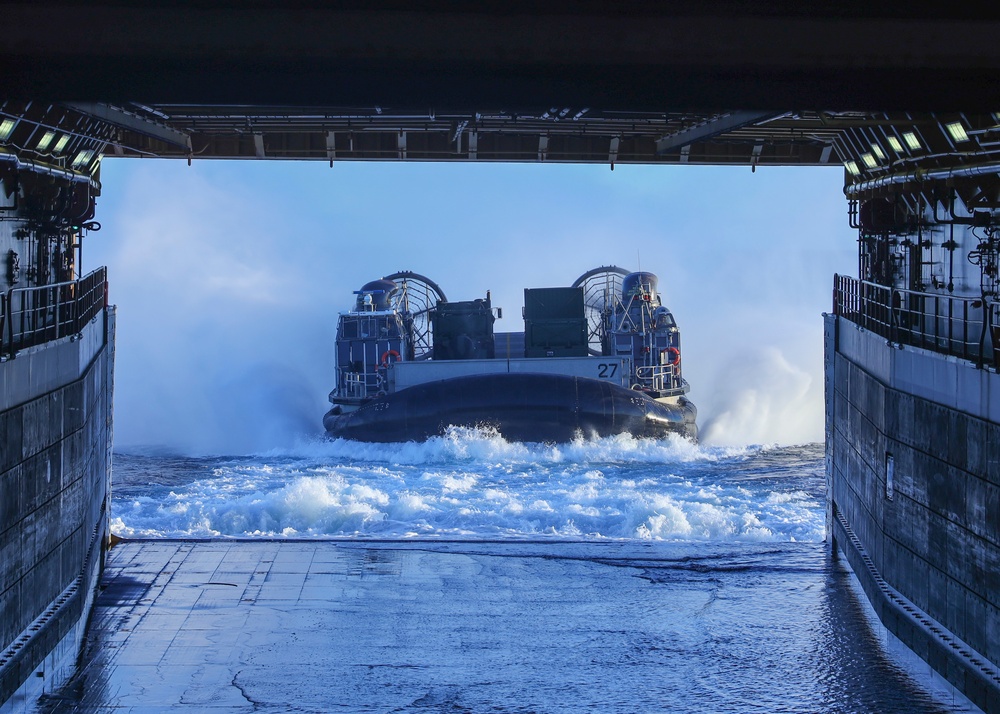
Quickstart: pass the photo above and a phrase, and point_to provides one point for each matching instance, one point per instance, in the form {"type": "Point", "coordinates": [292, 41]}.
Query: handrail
{"type": "Point", "coordinates": [994, 334]}
{"type": "Point", "coordinates": [661, 377]}
{"type": "Point", "coordinates": [34, 316]}
{"type": "Point", "coordinates": [947, 324]}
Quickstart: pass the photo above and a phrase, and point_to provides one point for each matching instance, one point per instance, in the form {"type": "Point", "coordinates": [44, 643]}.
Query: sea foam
{"type": "Point", "coordinates": [474, 484]}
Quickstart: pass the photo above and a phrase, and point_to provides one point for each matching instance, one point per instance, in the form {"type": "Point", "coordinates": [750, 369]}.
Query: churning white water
{"type": "Point", "coordinates": [474, 484]}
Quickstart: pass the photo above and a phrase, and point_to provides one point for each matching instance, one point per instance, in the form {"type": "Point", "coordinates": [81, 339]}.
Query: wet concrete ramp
{"type": "Point", "coordinates": [478, 626]}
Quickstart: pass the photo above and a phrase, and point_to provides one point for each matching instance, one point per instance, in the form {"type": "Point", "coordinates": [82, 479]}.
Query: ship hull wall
{"type": "Point", "coordinates": [55, 433]}
{"type": "Point", "coordinates": [913, 469]}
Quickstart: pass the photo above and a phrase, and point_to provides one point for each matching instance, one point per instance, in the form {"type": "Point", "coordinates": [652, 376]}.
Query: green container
{"type": "Point", "coordinates": [555, 324]}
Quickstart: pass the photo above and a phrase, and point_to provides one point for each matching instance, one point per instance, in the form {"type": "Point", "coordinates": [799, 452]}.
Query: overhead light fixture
{"type": "Point", "coordinates": [44, 142]}
{"type": "Point", "coordinates": [869, 160]}
{"type": "Point", "coordinates": [957, 131]}
{"type": "Point", "coordinates": [911, 140]}
{"type": "Point", "coordinates": [877, 150]}
{"type": "Point", "coordinates": [61, 144]}
{"type": "Point", "coordinates": [895, 145]}
{"type": "Point", "coordinates": [83, 158]}
{"type": "Point", "coordinates": [852, 168]}
{"type": "Point", "coordinates": [7, 128]}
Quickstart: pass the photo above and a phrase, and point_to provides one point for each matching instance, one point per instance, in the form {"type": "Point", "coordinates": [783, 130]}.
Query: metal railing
{"type": "Point", "coordinates": [662, 378]}
{"type": "Point", "coordinates": [963, 327]}
{"type": "Point", "coordinates": [34, 316]}
{"type": "Point", "coordinates": [994, 338]}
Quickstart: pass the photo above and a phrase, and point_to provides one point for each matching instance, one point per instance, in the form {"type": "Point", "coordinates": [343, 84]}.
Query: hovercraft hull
{"type": "Point", "coordinates": [521, 407]}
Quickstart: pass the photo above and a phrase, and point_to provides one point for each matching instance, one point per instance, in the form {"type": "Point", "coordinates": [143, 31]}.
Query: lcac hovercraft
{"type": "Point", "coordinates": [601, 357]}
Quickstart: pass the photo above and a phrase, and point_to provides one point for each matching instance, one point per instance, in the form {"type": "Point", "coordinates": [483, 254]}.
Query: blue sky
{"type": "Point", "coordinates": [228, 277]}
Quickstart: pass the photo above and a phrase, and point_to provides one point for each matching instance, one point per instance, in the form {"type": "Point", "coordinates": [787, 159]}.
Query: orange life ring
{"type": "Point", "coordinates": [675, 355]}
{"type": "Point", "coordinates": [386, 355]}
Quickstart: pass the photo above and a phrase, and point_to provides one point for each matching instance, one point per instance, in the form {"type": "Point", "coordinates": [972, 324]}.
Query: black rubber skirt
{"type": "Point", "coordinates": [521, 407]}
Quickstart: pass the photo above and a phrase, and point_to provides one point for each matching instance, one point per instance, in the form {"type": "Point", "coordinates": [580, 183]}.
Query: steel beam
{"type": "Point", "coordinates": [719, 124]}
{"type": "Point", "coordinates": [132, 122]}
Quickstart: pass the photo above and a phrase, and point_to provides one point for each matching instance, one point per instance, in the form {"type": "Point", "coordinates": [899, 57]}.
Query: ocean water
{"type": "Point", "coordinates": [475, 485]}
{"type": "Point", "coordinates": [729, 598]}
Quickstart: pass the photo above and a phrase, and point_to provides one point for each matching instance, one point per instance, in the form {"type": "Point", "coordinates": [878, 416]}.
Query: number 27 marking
{"type": "Point", "coordinates": [606, 371]}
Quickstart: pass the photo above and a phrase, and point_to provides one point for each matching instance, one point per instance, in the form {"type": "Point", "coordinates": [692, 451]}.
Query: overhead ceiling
{"type": "Point", "coordinates": [716, 82]}
{"type": "Point", "coordinates": [506, 55]}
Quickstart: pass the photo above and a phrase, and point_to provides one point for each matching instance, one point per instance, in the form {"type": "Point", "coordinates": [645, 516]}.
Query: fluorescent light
{"type": "Point", "coordinates": [7, 128]}
{"type": "Point", "coordinates": [852, 168]}
{"type": "Point", "coordinates": [957, 131]}
{"type": "Point", "coordinates": [877, 150]}
{"type": "Point", "coordinates": [869, 160]}
{"type": "Point", "coordinates": [911, 140]}
{"type": "Point", "coordinates": [46, 139]}
{"type": "Point", "coordinates": [895, 145]}
{"type": "Point", "coordinates": [61, 144]}
{"type": "Point", "coordinates": [83, 157]}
